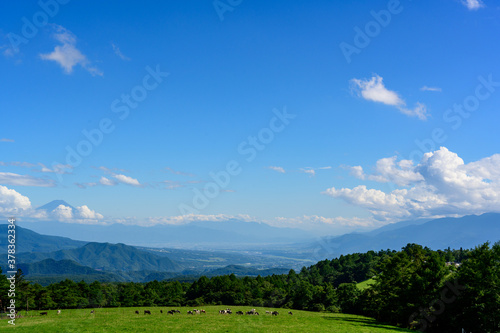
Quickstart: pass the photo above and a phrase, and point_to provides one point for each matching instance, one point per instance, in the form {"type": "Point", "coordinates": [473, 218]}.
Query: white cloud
{"type": "Point", "coordinates": [127, 180]}
{"type": "Point", "coordinates": [12, 202]}
{"type": "Point", "coordinates": [67, 55]}
{"type": "Point", "coordinates": [81, 214]}
{"type": "Point", "coordinates": [119, 53]}
{"type": "Point", "coordinates": [387, 170]}
{"type": "Point", "coordinates": [57, 168]}
{"type": "Point", "coordinates": [440, 185]}
{"type": "Point", "coordinates": [426, 88]}
{"type": "Point", "coordinates": [6, 140]}
{"type": "Point", "coordinates": [276, 168]}
{"type": "Point", "coordinates": [62, 212]}
{"type": "Point", "coordinates": [24, 180]}
{"type": "Point", "coordinates": [312, 171]}
{"type": "Point", "coordinates": [84, 212]}
{"type": "Point", "coordinates": [473, 4]}
{"type": "Point", "coordinates": [374, 90]}
{"type": "Point", "coordinates": [107, 182]}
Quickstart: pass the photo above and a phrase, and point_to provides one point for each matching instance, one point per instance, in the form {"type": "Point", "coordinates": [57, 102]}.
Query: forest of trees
{"type": "Point", "coordinates": [410, 288]}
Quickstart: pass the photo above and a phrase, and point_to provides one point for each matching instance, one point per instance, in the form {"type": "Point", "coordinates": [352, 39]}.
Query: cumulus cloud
{"type": "Point", "coordinates": [62, 212]}
{"type": "Point", "coordinates": [15, 179]}
{"type": "Point", "coordinates": [81, 214]}
{"type": "Point", "coordinates": [127, 180]}
{"type": "Point", "coordinates": [12, 202]}
{"type": "Point", "coordinates": [67, 55]}
{"type": "Point", "coordinates": [276, 168]}
{"type": "Point", "coordinates": [84, 212]}
{"type": "Point", "coordinates": [388, 170]}
{"type": "Point", "coordinates": [374, 90]}
{"type": "Point", "coordinates": [473, 4]}
{"type": "Point", "coordinates": [440, 185]}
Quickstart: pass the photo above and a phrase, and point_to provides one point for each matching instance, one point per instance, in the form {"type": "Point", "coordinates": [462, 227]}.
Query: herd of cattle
{"type": "Point", "coordinates": [195, 311]}
{"type": "Point", "coordinates": [225, 311]}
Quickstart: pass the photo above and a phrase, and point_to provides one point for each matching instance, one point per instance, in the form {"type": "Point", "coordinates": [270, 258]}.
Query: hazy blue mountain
{"type": "Point", "coordinates": [108, 257]}
{"type": "Point", "coordinates": [30, 241]}
{"type": "Point", "coordinates": [54, 204]}
{"type": "Point", "coordinates": [466, 232]}
{"type": "Point", "coordinates": [211, 234]}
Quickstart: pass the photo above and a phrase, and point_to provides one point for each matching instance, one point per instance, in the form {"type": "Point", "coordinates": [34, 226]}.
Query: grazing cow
{"type": "Point", "coordinates": [43, 313]}
{"type": "Point", "coordinates": [274, 313]}
{"type": "Point", "coordinates": [147, 312]}
{"type": "Point", "coordinates": [268, 312]}
{"type": "Point", "coordinates": [203, 311]}
{"type": "Point", "coordinates": [290, 313]}
{"type": "Point", "coordinates": [222, 312]}
{"type": "Point", "coordinates": [239, 312]}
{"type": "Point", "coordinates": [58, 311]}
{"type": "Point", "coordinates": [137, 312]}
{"type": "Point", "coordinates": [171, 312]}
{"type": "Point", "coordinates": [190, 312]}
{"type": "Point", "coordinates": [91, 312]}
{"type": "Point", "coordinates": [161, 311]}
{"type": "Point", "coordinates": [177, 311]}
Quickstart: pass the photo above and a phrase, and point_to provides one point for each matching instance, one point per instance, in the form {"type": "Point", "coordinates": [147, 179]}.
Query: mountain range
{"type": "Point", "coordinates": [464, 232]}
{"type": "Point", "coordinates": [47, 259]}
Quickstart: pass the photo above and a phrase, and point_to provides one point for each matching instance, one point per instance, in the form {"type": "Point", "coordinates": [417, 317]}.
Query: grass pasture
{"type": "Point", "coordinates": [125, 320]}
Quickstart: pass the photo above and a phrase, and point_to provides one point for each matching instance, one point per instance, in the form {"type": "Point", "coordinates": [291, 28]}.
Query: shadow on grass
{"type": "Point", "coordinates": [366, 322]}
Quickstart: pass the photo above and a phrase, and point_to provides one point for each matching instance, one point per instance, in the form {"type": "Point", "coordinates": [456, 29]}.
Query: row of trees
{"type": "Point", "coordinates": [410, 288]}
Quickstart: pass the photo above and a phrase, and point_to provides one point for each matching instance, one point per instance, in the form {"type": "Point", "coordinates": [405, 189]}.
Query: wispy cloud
{"type": "Point", "coordinates": [18, 164]}
{"type": "Point", "coordinates": [57, 168]}
{"type": "Point", "coordinates": [6, 140]}
{"type": "Point", "coordinates": [67, 55]}
{"type": "Point", "coordinates": [15, 179]}
{"type": "Point", "coordinates": [374, 90]}
{"type": "Point", "coordinates": [119, 53]}
{"type": "Point", "coordinates": [473, 4]}
{"type": "Point", "coordinates": [276, 168]}
{"type": "Point", "coordinates": [107, 182]}
{"type": "Point", "coordinates": [312, 171]}
{"type": "Point", "coordinates": [180, 173]}
{"type": "Point", "coordinates": [426, 88]}
{"type": "Point", "coordinates": [85, 185]}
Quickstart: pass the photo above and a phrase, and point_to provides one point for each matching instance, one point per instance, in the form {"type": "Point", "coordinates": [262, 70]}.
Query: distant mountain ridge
{"type": "Point", "coordinates": [108, 257]}
{"type": "Point", "coordinates": [30, 241]}
{"type": "Point", "coordinates": [464, 232]}
{"type": "Point", "coordinates": [212, 234]}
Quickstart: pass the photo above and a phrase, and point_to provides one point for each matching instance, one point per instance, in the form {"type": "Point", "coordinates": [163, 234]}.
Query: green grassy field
{"type": "Point", "coordinates": [365, 284]}
{"type": "Point", "coordinates": [125, 320]}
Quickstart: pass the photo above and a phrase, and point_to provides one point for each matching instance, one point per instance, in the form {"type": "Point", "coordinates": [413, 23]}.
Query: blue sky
{"type": "Point", "coordinates": [175, 91]}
